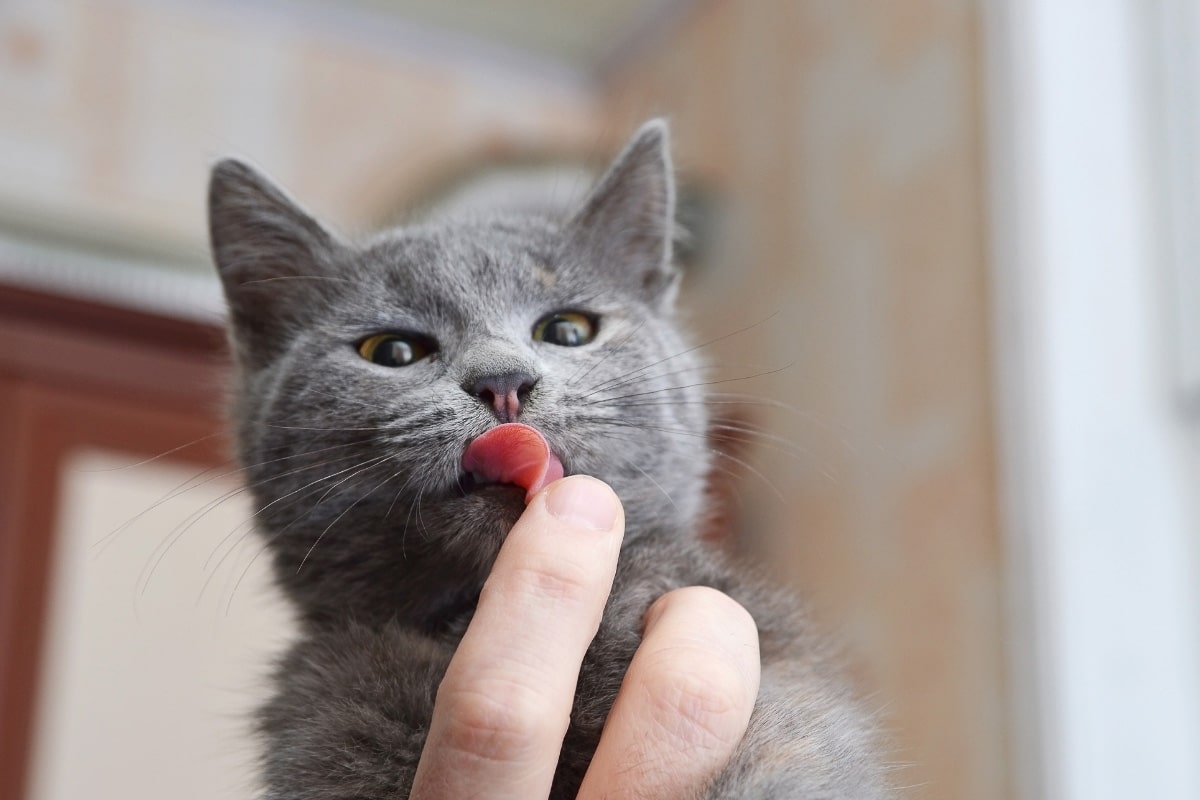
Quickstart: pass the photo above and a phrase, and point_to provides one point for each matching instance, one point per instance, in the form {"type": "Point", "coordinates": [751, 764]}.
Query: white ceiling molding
{"type": "Point", "coordinates": [143, 286]}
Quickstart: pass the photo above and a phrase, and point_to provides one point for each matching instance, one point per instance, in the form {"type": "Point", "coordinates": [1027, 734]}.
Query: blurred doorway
{"type": "Point", "coordinates": [92, 655]}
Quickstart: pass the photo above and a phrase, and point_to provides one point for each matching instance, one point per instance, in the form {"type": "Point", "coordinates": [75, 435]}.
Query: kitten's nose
{"type": "Point", "coordinates": [504, 393]}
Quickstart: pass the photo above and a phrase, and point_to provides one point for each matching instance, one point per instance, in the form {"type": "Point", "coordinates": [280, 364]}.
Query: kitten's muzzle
{"type": "Point", "coordinates": [505, 394]}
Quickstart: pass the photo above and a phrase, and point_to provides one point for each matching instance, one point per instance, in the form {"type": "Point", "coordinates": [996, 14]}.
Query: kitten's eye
{"type": "Point", "coordinates": [395, 349]}
{"type": "Point", "coordinates": [567, 328]}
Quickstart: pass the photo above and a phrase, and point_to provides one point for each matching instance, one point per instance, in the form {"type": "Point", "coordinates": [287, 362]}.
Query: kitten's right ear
{"type": "Point", "coordinates": [272, 257]}
{"type": "Point", "coordinates": [627, 224]}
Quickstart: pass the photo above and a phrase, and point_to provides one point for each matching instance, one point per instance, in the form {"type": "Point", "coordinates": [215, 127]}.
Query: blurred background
{"type": "Point", "coordinates": [953, 242]}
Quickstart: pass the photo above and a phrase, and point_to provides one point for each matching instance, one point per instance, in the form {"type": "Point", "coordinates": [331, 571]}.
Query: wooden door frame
{"type": "Point", "coordinates": [74, 374]}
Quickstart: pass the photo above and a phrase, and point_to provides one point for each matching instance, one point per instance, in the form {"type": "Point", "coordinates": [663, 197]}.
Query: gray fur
{"type": "Point", "coordinates": [355, 467]}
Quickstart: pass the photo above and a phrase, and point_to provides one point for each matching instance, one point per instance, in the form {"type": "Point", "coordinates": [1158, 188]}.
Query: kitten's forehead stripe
{"type": "Point", "coordinates": [545, 277]}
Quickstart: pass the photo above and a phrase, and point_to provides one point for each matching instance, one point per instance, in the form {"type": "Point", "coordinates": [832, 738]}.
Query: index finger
{"type": "Point", "coordinates": [503, 707]}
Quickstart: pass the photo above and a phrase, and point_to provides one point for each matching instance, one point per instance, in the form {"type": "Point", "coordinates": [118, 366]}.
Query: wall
{"type": "Point", "coordinates": [846, 138]}
{"type": "Point", "coordinates": [111, 113]}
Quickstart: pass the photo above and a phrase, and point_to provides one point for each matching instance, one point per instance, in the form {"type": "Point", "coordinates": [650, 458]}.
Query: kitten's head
{"type": "Point", "coordinates": [365, 371]}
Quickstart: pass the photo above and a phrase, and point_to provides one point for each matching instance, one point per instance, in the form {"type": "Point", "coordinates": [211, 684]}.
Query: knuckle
{"type": "Point", "coordinates": [698, 706]}
{"type": "Point", "coordinates": [499, 723]}
{"type": "Point", "coordinates": [552, 583]}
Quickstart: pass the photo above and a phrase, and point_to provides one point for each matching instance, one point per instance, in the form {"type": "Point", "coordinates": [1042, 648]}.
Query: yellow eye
{"type": "Point", "coordinates": [566, 328]}
{"type": "Point", "coordinates": [395, 349]}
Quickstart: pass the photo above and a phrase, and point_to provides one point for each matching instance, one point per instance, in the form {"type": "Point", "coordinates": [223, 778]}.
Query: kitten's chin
{"type": "Point", "coordinates": [489, 505]}
{"type": "Point", "coordinates": [508, 495]}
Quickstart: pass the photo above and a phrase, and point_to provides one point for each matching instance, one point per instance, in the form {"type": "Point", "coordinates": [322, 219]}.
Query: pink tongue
{"type": "Point", "coordinates": [513, 453]}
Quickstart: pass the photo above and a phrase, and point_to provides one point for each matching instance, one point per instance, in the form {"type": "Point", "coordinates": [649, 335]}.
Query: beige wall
{"type": "Point", "coordinates": [111, 113]}
{"type": "Point", "coordinates": [846, 136]}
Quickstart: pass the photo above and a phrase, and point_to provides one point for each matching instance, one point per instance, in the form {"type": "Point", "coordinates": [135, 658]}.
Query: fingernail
{"type": "Point", "coordinates": [585, 502]}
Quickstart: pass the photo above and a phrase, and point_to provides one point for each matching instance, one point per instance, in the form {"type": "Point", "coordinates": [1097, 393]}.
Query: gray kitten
{"type": "Point", "coordinates": [364, 372]}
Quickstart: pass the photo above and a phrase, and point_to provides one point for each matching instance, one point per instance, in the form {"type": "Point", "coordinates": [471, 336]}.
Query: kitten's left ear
{"type": "Point", "coordinates": [273, 259]}
{"type": "Point", "coordinates": [627, 225]}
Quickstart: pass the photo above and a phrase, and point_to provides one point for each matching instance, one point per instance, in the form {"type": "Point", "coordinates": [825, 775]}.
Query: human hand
{"type": "Point", "coordinates": [505, 702]}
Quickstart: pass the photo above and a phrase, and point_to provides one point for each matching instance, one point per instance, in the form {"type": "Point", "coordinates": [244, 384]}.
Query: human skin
{"type": "Point", "coordinates": [504, 704]}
